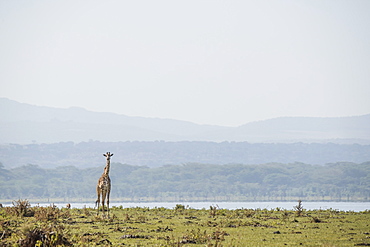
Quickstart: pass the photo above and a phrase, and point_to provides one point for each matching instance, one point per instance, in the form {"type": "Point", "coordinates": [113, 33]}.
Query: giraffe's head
{"type": "Point", "coordinates": [108, 155]}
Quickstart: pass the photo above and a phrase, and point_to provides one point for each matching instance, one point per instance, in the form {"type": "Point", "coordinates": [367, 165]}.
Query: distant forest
{"type": "Point", "coordinates": [159, 153]}
{"type": "Point", "coordinates": [191, 182]}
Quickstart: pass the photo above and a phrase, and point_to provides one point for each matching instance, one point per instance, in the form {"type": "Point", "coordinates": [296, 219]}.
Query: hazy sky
{"type": "Point", "coordinates": [209, 62]}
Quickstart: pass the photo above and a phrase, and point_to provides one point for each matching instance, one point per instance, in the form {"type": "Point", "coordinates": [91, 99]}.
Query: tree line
{"type": "Point", "coordinates": [159, 153]}
{"type": "Point", "coordinates": [192, 181]}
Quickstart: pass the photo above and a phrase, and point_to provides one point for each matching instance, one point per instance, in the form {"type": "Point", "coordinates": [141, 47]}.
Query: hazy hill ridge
{"type": "Point", "coordinates": [24, 123]}
{"type": "Point", "coordinates": [160, 153]}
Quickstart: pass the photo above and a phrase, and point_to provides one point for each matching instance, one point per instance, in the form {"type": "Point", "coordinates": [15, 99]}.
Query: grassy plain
{"type": "Point", "coordinates": [23, 225]}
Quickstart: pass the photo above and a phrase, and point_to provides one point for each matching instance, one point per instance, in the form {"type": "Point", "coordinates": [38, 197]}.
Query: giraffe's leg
{"type": "Point", "coordinates": [104, 194]}
{"type": "Point", "coordinates": [108, 193]}
{"type": "Point", "coordinates": [97, 203]}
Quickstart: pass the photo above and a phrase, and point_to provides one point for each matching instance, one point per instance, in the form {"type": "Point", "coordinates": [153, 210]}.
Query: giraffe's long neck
{"type": "Point", "coordinates": [107, 167]}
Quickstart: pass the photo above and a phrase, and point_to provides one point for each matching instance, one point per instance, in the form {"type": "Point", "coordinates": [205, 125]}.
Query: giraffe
{"type": "Point", "coordinates": [104, 185]}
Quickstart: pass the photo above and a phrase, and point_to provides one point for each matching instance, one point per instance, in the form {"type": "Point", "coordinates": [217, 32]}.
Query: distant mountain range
{"type": "Point", "coordinates": [24, 123]}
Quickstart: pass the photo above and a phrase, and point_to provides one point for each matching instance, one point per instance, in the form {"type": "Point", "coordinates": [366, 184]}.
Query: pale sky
{"type": "Point", "coordinates": [209, 62]}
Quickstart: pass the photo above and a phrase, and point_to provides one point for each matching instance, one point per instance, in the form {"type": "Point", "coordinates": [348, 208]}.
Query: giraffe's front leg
{"type": "Point", "coordinates": [103, 200]}
{"type": "Point", "coordinates": [108, 202]}
{"type": "Point", "coordinates": [97, 203]}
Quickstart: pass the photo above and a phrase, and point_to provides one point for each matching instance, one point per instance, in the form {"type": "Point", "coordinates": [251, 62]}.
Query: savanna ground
{"type": "Point", "coordinates": [23, 225]}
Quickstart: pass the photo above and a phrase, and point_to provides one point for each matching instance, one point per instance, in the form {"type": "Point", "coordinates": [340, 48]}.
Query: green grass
{"type": "Point", "coordinates": [181, 226]}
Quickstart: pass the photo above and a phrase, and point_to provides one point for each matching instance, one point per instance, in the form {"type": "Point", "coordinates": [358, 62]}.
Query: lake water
{"type": "Point", "coordinates": [341, 206]}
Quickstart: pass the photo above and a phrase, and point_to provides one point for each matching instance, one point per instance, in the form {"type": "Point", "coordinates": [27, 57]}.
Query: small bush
{"type": "Point", "coordinates": [249, 213]}
{"type": "Point", "coordinates": [299, 208]}
{"type": "Point", "coordinates": [48, 236]}
{"type": "Point", "coordinates": [212, 211]}
{"type": "Point", "coordinates": [179, 207]}
{"type": "Point", "coordinates": [51, 213]}
{"type": "Point", "coordinates": [21, 208]}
